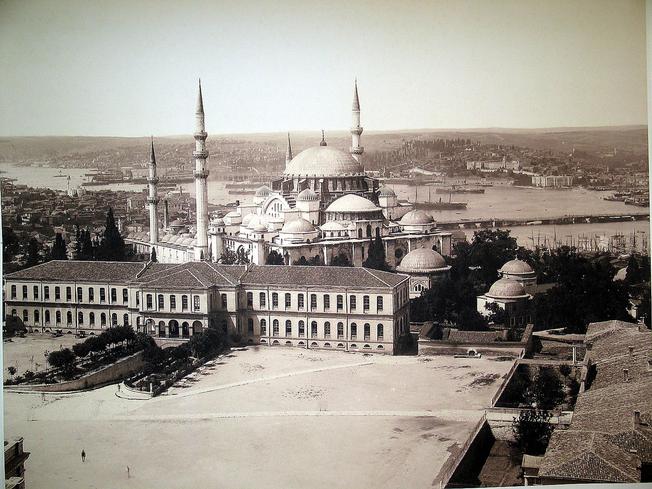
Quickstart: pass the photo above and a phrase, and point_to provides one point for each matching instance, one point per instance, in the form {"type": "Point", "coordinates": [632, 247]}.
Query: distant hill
{"type": "Point", "coordinates": [593, 139]}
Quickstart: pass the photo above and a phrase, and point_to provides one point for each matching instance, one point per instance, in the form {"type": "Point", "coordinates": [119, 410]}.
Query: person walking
{"type": "Point", "coordinates": [83, 455]}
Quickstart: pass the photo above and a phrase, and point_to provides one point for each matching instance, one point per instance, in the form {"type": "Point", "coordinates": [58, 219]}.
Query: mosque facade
{"type": "Point", "coordinates": [324, 208]}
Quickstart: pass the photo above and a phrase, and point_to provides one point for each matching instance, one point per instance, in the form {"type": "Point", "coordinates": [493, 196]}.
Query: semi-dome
{"type": "Point", "coordinates": [506, 288]}
{"type": "Point", "coordinates": [385, 191]}
{"type": "Point", "coordinates": [263, 191]}
{"type": "Point", "coordinates": [352, 203]}
{"type": "Point", "coordinates": [299, 225]}
{"type": "Point", "coordinates": [247, 219]}
{"type": "Point", "coordinates": [517, 267]}
{"type": "Point", "coordinates": [323, 161]}
{"type": "Point", "coordinates": [332, 226]}
{"type": "Point", "coordinates": [417, 217]}
{"type": "Point", "coordinates": [257, 223]}
{"type": "Point", "coordinates": [307, 194]}
{"type": "Point", "coordinates": [422, 260]}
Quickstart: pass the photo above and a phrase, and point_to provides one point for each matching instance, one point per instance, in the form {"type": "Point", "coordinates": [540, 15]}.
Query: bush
{"type": "Point", "coordinates": [81, 349]}
{"type": "Point", "coordinates": [63, 359]}
{"type": "Point", "coordinates": [532, 431]}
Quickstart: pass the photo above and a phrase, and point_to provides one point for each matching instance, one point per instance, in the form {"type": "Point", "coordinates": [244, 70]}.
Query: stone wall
{"type": "Point", "coordinates": [119, 370]}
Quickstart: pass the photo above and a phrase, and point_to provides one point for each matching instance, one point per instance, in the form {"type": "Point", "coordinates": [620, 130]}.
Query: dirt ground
{"type": "Point", "coordinates": [262, 417]}
{"type": "Point", "coordinates": [29, 353]}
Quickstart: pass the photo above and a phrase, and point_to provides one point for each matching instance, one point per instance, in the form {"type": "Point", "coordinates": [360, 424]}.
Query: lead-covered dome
{"type": "Point", "coordinates": [417, 217]}
{"type": "Point", "coordinates": [299, 225]}
{"type": "Point", "coordinates": [516, 267]}
{"type": "Point", "coordinates": [422, 260]}
{"type": "Point", "coordinates": [307, 195]}
{"type": "Point", "coordinates": [323, 161]}
{"type": "Point", "coordinates": [352, 203]}
{"type": "Point", "coordinates": [385, 191]}
{"type": "Point", "coordinates": [506, 288]}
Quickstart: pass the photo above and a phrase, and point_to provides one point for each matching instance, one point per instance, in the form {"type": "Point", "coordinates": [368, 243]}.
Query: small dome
{"type": "Point", "coordinates": [385, 191]}
{"type": "Point", "coordinates": [260, 228]}
{"type": "Point", "coordinates": [263, 191]}
{"type": "Point", "coordinates": [177, 223]}
{"type": "Point", "coordinates": [332, 226]}
{"type": "Point", "coordinates": [506, 288]}
{"type": "Point", "coordinates": [298, 226]}
{"type": "Point", "coordinates": [352, 203]}
{"type": "Point", "coordinates": [307, 194]}
{"type": "Point", "coordinates": [247, 219]}
{"type": "Point", "coordinates": [257, 223]}
{"type": "Point", "coordinates": [218, 222]}
{"type": "Point", "coordinates": [516, 267]}
{"type": "Point", "coordinates": [417, 217]}
{"type": "Point", "coordinates": [422, 260]}
{"type": "Point", "coordinates": [323, 161]}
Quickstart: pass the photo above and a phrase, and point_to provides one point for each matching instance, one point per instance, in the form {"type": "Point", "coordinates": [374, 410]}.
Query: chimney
{"type": "Point", "coordinates": [626, 375]}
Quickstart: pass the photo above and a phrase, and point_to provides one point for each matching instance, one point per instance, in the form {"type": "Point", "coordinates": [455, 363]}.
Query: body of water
{"type": "Point", "coordinates": [497, 202]}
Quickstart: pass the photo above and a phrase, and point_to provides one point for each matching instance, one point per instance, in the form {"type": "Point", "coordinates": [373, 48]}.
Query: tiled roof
{"type": "Point", "coordinates": [80, 271]}
{"type": "Point", "coordinates": [320, 276]}
{"type": "Point", "coordinates": [198, 275]}
{"type": "Point", "coordinates": [604, 443]}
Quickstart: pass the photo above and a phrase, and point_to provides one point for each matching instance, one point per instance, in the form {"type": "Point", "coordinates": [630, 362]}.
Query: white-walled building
{"type": "Point", "coordinates": [346, 308]}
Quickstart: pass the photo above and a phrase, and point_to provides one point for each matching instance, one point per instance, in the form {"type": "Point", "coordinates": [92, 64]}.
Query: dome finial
{"type": "Point", "coordinates": [323, 139]}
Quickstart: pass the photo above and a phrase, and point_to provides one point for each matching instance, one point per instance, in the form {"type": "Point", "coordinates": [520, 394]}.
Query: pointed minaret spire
{"type": "Point", "coordinates": [323, 139]}
{"type": "Point", "coordinates": [356, 128]}
{"type": "Point", "coordinates": [288, 152]}
{"type": "Point", "coordinates": [200, 101]}
{"type": "Point", "coordinates": [356, 100]}
{"type": "Point", "coordinates": [152, 155]}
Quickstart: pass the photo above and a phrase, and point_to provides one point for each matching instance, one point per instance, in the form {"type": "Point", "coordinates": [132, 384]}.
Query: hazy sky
{"type": "Point", "coordinates": [130, 68]}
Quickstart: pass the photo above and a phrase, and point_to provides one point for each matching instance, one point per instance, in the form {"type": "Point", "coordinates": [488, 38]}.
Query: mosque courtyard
{"type": "Point", "coordinates": [262, 417]}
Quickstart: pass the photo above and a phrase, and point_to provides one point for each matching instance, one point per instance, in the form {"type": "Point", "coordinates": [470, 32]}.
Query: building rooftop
{"type": "Point", "coordinates": [80, 271]}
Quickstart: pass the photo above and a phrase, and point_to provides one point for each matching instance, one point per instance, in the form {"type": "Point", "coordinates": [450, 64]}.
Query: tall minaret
{"type": "Point", "coordinates": [152, 199]}
{"type": "Point", "coordinates": [356, 129]}
{"type": "Point", "coordinates": [201, 174]}
{"type": "Point", "coordinates": [288, 153]}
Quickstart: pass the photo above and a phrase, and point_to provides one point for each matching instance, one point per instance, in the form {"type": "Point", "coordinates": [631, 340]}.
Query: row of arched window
{"type": "Point", "coordinates": [301, 330]}
{"type": "Point", "coordinates": [326, 301]}
{"type": "Point", "coordinates": [172, 302]}
{"type": "Point", "coordinates": [90, 294]}
{"type": "Point", "coordinates": [81, 318]}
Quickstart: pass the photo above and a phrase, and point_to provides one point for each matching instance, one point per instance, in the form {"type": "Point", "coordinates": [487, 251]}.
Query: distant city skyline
{"type": "Point", "coordinates": [131, 68]}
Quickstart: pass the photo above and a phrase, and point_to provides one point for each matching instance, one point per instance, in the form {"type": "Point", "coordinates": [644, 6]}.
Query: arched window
{"type": "Point", "coordinates": [80, 318]}
{"type": "Point", "coordinates": [184, 302]}
{"type": "Point", "coordinates": [47, 317]}
{"type": "Point", "coordinates": [359, 233]}
{"type": "Point", "coordinates": [263, 327]}
{"type": "Point", "coordinates": [173, 302]}
{"type": "Point", "coordinates": [313, 329]}
{"type": "Point", "coordinates": [379, 332]}
{"type": "Point", "coordinates": [13, 291]}
{"type": "Point", "coordinates": [91, 319]}
{"type": "Point", "coordinates": [261, 300]}
{"type": "Point", "coordinates": [274, 300]}
{"type": "Point", "coordinates": [302, 328]}
{"type": "Point", "coordinates": [36, 317]}
{"type": "Point", "coordinates": [354, 331]}
{"type": "Point", "coordinates": [125, 320]}
{"type": "Point", "coordinates": [102, 319]}
{"type": "Point", "coordinates": [250, 299]}
{"type": "Point", "coordinates": [377, 232]}
{"type": "Point", "coordinates": [365, 303]}
{"type": "Point", "coordinates": [368, 230]}
{"type": "Point", "coordinates": [340, 330]}
{"type": "Point", "coordinates": [69, 317]}
{"type": "Point", "coordinates": [250, 326]}
{"type": "Point", "coordinates": [288, 301]}
{"type": "Point", "coordinates": [149, 302]}
{"type": "Point", "coordinates": [367, 331]}
{"type": "Point", "coordinates": [114, 319]}
{"type": "Point", "coordinates": [327, 329]}
{"type": "Point", "coordinates": [161, 301]}
{"type": "Point", "coordinates": [340, 302]}
{"type": "Point", "coordinates": [275, 327]}
{"type": "Point", "coordinates": [288, 328]}
{"type": "Point", "coordinates": [57, 316]}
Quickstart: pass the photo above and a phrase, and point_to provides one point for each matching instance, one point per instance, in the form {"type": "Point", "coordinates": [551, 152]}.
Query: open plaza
{"type": "Point", "coordinates": [261, 417]}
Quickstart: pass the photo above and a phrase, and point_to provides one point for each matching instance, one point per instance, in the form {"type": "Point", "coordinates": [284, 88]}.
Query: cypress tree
{"type": "Point", "coordinates": [376, 255]}
{"type": "Point", "coordinates": [152, 256]}
{"type": "Point", "coordinates": [112, 247]}
{"type": "Point", "coordinates": [59, 251]}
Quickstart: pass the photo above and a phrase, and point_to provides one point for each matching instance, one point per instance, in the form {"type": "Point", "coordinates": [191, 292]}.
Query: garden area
{"type": "Point", "coordinates": [542, 387]}
{"type": "Point", "coordinates": [164, 366]}
{"type": "Point", "coordinates": [83, 357]}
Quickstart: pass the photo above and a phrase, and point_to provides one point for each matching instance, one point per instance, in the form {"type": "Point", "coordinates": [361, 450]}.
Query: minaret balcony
{"type": "Point", "coordinates": [201, 173]}
{"type": "Point", "coordinates": [201, 135]}
{"type": "Point", "coordinates": [203, 154]}
{"type": "Point", "coordinates": [153, 180]}
{"type": "Point", "coordinates": [358, 150]}
{"type": "Point", "coordinates": [356, 130]}
{"type": "Point", "coordinates": [153, 200]}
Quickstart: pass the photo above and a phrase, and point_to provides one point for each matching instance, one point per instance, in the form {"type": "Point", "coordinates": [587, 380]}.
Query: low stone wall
{"type": "Point", "coordinates": [498, 348]}
{"type": "Point", "coordinates": [119, 370]}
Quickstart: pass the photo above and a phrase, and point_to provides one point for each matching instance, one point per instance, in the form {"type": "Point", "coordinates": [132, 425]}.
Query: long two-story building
{"type": "Point", "coordinates": [346, 308]}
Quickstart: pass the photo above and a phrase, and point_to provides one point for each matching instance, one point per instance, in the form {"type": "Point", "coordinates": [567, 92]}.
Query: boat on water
{"type": "Point", "coordinates": [242, 185]}
{"type": "Point", "coordinates": [459, 190]}
{"type": "Point", "coordinates": [439, 205]}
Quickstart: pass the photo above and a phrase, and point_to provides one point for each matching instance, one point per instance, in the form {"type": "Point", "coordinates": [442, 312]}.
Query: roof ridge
{"type": "Point", "coordinates": [196, 277]}
{"type": "Point", "coordinates": [375, 276]}
{"type": "Point", "coordinates": [211, 265]}
{"type": "Point", "coordinates": [609, 463]}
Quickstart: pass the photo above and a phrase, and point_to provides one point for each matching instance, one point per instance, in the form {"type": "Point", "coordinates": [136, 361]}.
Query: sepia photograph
{"type": "Point", "coordinates": [301, 244]}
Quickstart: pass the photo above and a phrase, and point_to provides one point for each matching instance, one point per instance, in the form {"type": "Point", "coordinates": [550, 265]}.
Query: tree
{"type": "Point", "coordinates": [112, 246]}
{"type": "Point", "coordinates": [11, 370]}
{"type": "Point", "coordinates": [10, 244]}
{"type": "Point", "coordinates": [274, 258]}
{"type": "Point", "coordinates": [81, 349]}
{"type": "Point", "coordinates": [634, 273]}
{"type": "Point", "coordinates": [59, 250]}
{"type": "Point", "coordinates": [376, 255]}
{"type": "Point", "coordinates": [532, 430]}
{"type": "Point", "coordinates": [341, 260]}
{"type": "Point", "coordinates": [33, 253]}
{"type": "Point", "coordinates": [547, 389]}
{"type": "Point", "coordinates": [152, 255]}
{"type": "Point", "coordinates": [63, 359]}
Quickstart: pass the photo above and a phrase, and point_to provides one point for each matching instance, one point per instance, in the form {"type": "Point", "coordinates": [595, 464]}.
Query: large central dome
{"type": "Point", "coordinates": [323, 161]}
